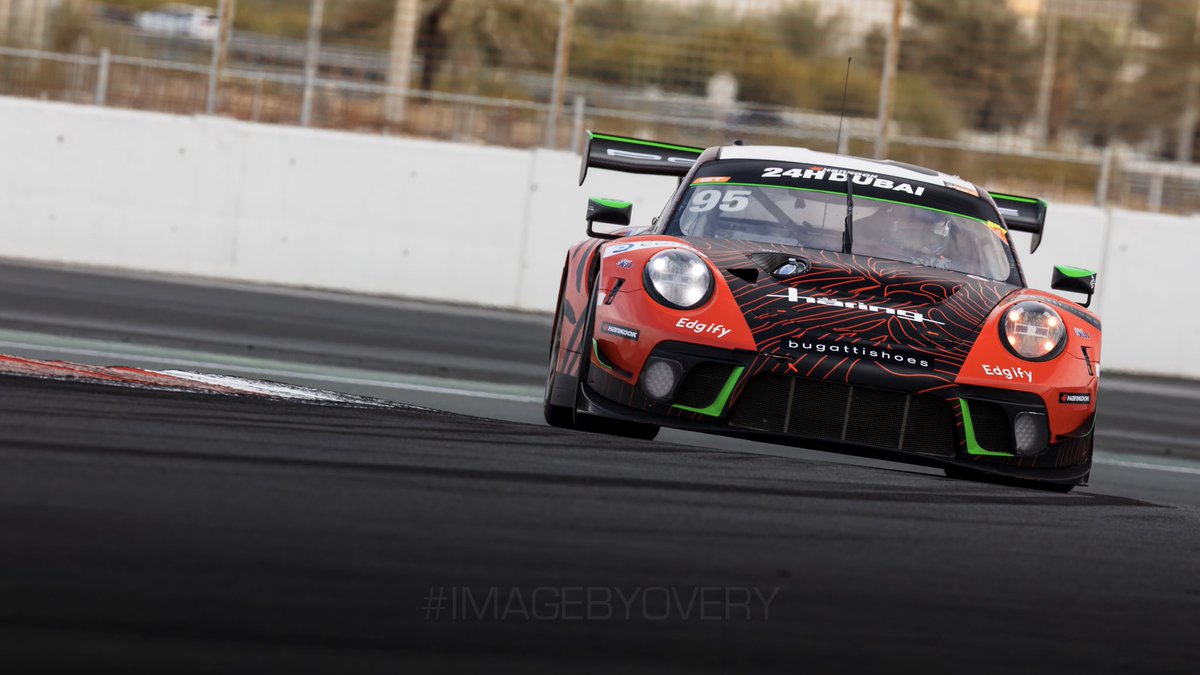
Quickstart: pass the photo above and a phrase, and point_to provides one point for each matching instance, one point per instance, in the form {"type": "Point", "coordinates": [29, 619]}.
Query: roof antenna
{"type": "Point", "coordinates": [841, 118]}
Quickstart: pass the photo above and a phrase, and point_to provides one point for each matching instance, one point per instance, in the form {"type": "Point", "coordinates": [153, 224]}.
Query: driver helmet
{"type": "Point", "coordinates": [923, 232]}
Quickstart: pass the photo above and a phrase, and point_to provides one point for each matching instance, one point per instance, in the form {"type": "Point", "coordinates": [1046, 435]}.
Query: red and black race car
{"type": "Point", "coordinates": [840, 303]}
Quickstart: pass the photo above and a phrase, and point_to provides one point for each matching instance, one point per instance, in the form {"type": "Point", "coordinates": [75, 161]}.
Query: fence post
{"type": "Point", "coordinates": [1154, 201]}
{"type": "Point", "coordinates": [400, 58]}
{"type": "Point", "coordinates": [225, 17]}
{"type": "Point", "coordinates": [312, 54]}
{"type": "Point", "coordinates": [1106, 162]}
{"type": "Point", "coordinates": [580, 106]}
{"type": "Point", "coordinates": [887, 84]}
{"type": "Point", "coordinates": [562, 60]}
{"type": "Point", "coordinates": [1041, 115]}
{"type": "Point", "coordinates": [5, 20]}
{"type": "Point", "coordinates": [102, 67]}
{"type": "Point", "coordinates": [1186, 141]}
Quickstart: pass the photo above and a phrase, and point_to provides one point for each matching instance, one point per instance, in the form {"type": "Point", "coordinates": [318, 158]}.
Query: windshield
{"type": "Point", "coordinates": [816, 219]}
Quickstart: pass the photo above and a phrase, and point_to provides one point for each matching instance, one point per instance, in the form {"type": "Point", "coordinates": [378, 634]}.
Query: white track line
{"type": "Point", "coordinates": [277, 372]}
{"type": "Point", "coordinates": [1149, 466]}
{"type": "Point", "coordinates": [1172, 389]}
{"type": "Point", "coordinates": [449, 391]}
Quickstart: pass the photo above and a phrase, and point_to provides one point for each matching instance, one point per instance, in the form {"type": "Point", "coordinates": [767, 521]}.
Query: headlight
{"type": "Point", "coordinates": [1033, 331]}
{"type": "Point", "coordinates": [678, 278]}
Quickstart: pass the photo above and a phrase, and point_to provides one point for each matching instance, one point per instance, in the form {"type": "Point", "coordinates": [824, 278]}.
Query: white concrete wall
{"type": "Point", "coordinates": [439, 221]}
{"type": "Point", "coordinates": [284, 205]}
{"type": "Point", "coordinates": [1074, 236]}
{"type": "Point", "coordinates": [1149, 303]}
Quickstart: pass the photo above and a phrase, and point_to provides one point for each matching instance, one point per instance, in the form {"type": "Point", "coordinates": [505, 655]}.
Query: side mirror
{"type": "Point", "coordinates": [611, 211]}
{"type": "Point", "coordinates": [1074, 280]}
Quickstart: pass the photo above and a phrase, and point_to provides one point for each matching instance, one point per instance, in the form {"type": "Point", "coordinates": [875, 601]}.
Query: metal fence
{"type": "Point", "coordinates": [1075, 100]}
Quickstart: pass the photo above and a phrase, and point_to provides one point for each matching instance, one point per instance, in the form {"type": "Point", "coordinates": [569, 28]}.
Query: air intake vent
{"type": "Point", "coordinates": [839, 412]}
{"type": "Point", "coordinates": [703, 384]}
{"type": "Point", "coordinates": [819, 409]}
{"type": "Point", "coordinates": [763, 404]}
{"type": "Point", "coordinates": [993, 431]}
{"type": "Point", "coordinates": [929, 429]}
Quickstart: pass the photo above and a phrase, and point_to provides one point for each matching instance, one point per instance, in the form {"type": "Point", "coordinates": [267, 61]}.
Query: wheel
{"type": "Point", "coordinates": [556, 415]}
{"type": "Point", "coordinates": [566, 417]}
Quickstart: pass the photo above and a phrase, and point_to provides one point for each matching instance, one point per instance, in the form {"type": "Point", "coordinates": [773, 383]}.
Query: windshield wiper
{"type": "Point", "coordinates": [848, 234]}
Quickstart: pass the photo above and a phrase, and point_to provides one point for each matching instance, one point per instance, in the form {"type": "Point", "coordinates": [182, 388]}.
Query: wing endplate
{"type": "Point", "coordinates": [1023, 214]}
{"type": "Point", "coordinates": [635, 155]}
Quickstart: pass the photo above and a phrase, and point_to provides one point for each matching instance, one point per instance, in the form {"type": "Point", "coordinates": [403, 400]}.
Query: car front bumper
{"type": "Point", "coordinates": [758, 396]}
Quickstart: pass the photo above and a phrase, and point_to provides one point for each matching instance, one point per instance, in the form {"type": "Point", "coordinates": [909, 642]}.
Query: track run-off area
{"type": "Point", "coordinates": [162, 531]}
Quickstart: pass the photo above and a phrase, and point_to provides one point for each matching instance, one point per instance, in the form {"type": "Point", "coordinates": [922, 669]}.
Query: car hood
{"type": "Point", "coordinates": [854, 300]}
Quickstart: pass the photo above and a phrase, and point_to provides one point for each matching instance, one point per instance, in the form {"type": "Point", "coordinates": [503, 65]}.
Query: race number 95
{"type": "Point", "coordinates": [728, 201]}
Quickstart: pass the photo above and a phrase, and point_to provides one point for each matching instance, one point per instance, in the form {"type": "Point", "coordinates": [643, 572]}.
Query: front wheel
{"type": "Point", "coordinates": [566, 417]}
{"type": "Point", "coordinates": [556, 415]}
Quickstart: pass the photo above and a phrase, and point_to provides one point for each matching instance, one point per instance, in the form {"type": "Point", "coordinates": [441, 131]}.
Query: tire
{"type": "Point", "coordinates": [556, 415]}
{"type": "Point", "coordinates": [565, 417]}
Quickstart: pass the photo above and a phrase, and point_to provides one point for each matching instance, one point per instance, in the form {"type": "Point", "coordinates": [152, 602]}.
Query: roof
{"type": "Point", "coordinates": [793, 155]}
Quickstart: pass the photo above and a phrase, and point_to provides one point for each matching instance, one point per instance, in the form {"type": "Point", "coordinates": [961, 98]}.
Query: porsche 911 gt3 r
{"type": "Point", "coordinates": [834, 302]}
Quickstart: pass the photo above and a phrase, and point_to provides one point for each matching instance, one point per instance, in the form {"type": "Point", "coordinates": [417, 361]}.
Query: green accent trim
{"type": "Point", "coordinates": [973, 447]}
{"type": "Point", "coordinates": [652, 144]}
{"type": "Point", "coordinates": [718, 406]}
{"type": "Point", "coordinates": [1075, 272]}
{"type": "Point", "coordinates": [599, 358]}
{"type": "Point", "coordinates": [843, 194]}
{"type": "Point", "coordinates": [1092, 428]}
{"type": "Point", "coordinates": [1012, 198]}
{"type": "Point", "coordinates": [611, 203]}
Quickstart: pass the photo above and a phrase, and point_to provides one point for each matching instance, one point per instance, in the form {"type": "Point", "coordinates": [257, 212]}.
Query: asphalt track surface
{"type": "Point", "coordinates": [170, 532]}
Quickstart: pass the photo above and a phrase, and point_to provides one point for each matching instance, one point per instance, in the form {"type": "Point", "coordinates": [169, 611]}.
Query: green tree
{"type": "Point", "coordinates": [496, 33]}
{"type": "Point", "coordinates": [1088, 96]}
{"type": "Point", "coordinates": [921, 110]}
{"type": "Point", "coordinates": [623, 16]}
{"type": "Point", "coordinates": [801, 30]}
{"type": "Point", "coordinates": [1160, 94]}
{"type": "Point", "coordinates": [680, 47]}
{"type": "Point", "coordinates": [976, 54]}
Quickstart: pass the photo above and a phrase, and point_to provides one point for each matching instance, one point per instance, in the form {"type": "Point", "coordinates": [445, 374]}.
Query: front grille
{"type": "Point", "coordinates": [818, 409]}
{"type": "Point", "coordinates": [930, 427]}
{"type": "Point", "coordinates": [703, 384]}
{"type": "Point", "coordinates": [841, 412]}
{"type": "Point", "coordinates": [763, 404]}
{"type": "Point", "coordinates": [992, 429]}
{"type": "Point", "coordinates": [884, 410]}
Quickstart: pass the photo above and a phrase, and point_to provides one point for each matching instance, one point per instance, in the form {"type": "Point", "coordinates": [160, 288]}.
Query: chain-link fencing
{"type": "Point", "coordinates": [1078, 100]}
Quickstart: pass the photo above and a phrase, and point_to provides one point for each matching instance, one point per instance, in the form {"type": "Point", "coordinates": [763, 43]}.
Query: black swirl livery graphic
{"type": "Point", "coordinates": [928, 314]}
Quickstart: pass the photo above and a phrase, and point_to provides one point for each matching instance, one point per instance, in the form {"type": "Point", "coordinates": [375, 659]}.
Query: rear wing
{"type": "Point", "coordinates": [634, 155]}
{"type": "Point", "coordinates": [1023, 214]}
